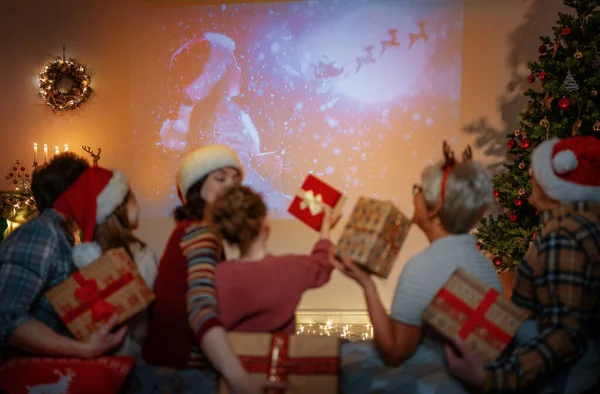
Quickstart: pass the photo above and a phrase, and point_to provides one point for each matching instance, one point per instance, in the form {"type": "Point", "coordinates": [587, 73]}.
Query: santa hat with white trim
{"type": "Point", "coordinates": [201, 162]}
{"type": "Point", "coordinates": [211, 55]}
{"type": "Point", "coordinates": [568, 170]}
{"type": "Point", "coordinates": [91, 199]}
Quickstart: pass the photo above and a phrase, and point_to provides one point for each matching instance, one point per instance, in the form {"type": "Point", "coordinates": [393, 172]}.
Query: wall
{"type": "Point", "coordinates": [499, 37]}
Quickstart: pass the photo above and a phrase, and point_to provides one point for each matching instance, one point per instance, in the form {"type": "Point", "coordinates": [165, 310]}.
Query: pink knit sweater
{"type": "Point", "coordinates": [262, 296]}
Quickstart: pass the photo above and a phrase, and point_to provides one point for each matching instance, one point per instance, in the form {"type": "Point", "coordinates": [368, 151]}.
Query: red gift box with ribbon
{"type": "Point", "coordinates": [478, 314]}
{"type": "Point", "coordinates": [305, 364]}
{"type": "Point", "coordinates": [90, 296]}
{"type": "Point", "coordinates": [313, 196]}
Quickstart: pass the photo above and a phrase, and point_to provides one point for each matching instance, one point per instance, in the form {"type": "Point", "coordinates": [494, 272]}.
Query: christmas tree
{"type": "Point", "coordinates": [564, 103]}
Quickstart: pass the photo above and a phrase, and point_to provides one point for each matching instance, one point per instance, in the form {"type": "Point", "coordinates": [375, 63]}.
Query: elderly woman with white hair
{"type": "Point", "coordinates": [404, 356]}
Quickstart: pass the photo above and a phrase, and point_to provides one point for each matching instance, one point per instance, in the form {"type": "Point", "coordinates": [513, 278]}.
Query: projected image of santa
{"type": "Point", "coordinates": [204, 77]}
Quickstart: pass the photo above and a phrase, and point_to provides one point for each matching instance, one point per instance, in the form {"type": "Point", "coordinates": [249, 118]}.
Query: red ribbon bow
{"type": "Point", "coordinates": [94, 299]}
{"type": "Point", "coordinates": [88, 293]}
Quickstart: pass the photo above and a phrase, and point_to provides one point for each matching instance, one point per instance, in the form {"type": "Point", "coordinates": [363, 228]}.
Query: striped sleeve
{"type": "Point", "coordinates": [201, 247]}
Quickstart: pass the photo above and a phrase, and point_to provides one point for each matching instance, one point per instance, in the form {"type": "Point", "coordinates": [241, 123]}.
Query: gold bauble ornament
{"type": "Point", "coordinates": [545, 123]}
{"type": "Point", "coordinates": [522, 192]}
{"type": "Point", "coordinates": [594, 92]}
{"type": "Point", "coordinates": [597, 126]}
{"type": "Point", "coordinates": [517, 132]}
{"type": "Point", "coordinates": [578, 55]}
{"type": "Point", "coordinates": [522, 165]}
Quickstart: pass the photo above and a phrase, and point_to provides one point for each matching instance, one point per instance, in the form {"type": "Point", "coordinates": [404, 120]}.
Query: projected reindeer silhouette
{"type": "Point", "coordinates": [422, 34]}
{"type": "Point", "coordinates": [391, 43]}
{"type": "Point", "coordinates": [59, 387]}
{"type": "Point", "coordinates": [363, 60]}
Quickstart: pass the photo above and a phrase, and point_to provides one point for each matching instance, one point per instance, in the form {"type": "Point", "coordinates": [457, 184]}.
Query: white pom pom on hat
{"type": "Point", "coordinates": [564, 162]}
{"type": "Point", "coordinates": [86, 253]}
{"type": "Point", "coordinates": [568, 170]}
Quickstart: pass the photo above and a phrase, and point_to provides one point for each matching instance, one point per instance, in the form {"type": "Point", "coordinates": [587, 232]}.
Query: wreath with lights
{"type": "Point", "coordinates": [64, 84]}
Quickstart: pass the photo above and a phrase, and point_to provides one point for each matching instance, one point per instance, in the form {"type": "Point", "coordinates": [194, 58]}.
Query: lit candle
{"type": "Point", "coordinates": [35, 153]}
{"type": "Point", "coordinates": [66, 147]}
{"type": "Point", "coordinates": [45, 153]}
{"type": "Point", "coordinates": [56, 151]}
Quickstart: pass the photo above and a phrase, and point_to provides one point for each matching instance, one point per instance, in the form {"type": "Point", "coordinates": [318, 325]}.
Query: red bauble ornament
{"type": "Point", "coordinates": [531, 79]}
{"type": "Point", "coordinates": [566, 31]}
{"type": "Point", "coordinates": [496, 193]}
{"type": "Point", "coordinates": [564, 103]}
{"type": "Point", "coordinates": [511, 144]}
{"type": "Point", "coordinates": [518, 202]}
{"type": "Point", "coordinates": [513, 217]}
{"type": "Point", "coordinates": [478, 246]}
{"type": "Point", "coordinates": [542, 49]}
{"type": "Point", "coordinates": [525, 143]}
{"type": "Point", "coordinates": [497, 261]}
{"type": "Point", "coordinates": [542, 75]}
{"type": "Point", "coordinates": [534, 235]}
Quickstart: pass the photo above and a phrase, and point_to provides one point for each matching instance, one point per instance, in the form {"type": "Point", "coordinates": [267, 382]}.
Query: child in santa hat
{"type": "Point", "coordinates": [105, 210]}
{"type": "Point", "coordinates": [558, 281]}
{"type": "Point", "coordinates": [204, 79]}
{"type": "Point", "coordinates": [240, 216]}
{"type": "Point", "coordinates": [185, 326]}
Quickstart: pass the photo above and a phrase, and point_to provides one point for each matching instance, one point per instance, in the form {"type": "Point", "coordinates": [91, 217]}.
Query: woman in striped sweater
{"type": "Point", "coordinates": [185, 328]}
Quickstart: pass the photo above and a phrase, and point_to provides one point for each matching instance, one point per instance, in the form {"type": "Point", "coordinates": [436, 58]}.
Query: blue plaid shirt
{"type": "Point", "coordinates": [33, 259]}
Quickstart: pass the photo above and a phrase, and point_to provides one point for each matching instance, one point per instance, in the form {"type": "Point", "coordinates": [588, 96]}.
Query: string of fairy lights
{"type": "Point", "coordinates": [350, 331]}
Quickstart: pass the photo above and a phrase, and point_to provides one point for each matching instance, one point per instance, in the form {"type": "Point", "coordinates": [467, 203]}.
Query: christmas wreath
{"type": "Point", "coordinates": [64, 84]}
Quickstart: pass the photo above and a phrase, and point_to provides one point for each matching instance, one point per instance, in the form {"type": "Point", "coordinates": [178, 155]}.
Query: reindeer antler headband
{"type": "Point", "coordinates": [449, 164]}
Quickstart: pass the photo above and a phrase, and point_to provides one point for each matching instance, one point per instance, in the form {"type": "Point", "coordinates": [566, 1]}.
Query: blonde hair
{"type": "Point", "coordinates": [238, 215]}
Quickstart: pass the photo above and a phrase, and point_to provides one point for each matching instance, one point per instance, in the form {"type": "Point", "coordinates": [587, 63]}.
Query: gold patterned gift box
{"type": "Point", "coordinates": [305, 364]}
{"type": "Point", "coordinates": [374, 235]}
{"type": "Point", "coordinates": [476, 313]}
{"type": "Point", "coordinates": [90, 296]}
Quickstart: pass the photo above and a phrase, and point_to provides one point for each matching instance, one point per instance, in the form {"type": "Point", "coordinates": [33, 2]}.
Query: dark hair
{"type": "Point", "coordinates": [195, 205]}
{"type": "Point", "coordinates": [116, 231]}
{"type": "Point", "coordinates": [238, 215]}
{"type": "Point", "coordinates": [51, 180]}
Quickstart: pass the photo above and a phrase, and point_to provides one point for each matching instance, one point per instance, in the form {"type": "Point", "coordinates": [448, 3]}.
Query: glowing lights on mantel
{"type": "Point", "coordinates": [56, 152]}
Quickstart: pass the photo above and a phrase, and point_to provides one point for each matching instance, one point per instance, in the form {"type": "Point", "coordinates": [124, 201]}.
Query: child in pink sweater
{"type": "Point", "coordinates": [259, 292]}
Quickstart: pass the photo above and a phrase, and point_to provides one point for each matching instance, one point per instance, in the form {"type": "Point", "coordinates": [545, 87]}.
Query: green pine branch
{"type": "Point", "coordinates": [573, 48]}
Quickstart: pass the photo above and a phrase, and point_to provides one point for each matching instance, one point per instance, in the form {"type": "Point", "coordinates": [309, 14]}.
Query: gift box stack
{"type": "Point", "coordinates": [374, 235]}
{"type": "Point", "coordinates": [467, 308]}
{"type": "Point", "coordinates": [306, 364]}
{"type": "Point", "coordinates": [311, 199]}
{"type": "Point", "coordinates": [89, 297]}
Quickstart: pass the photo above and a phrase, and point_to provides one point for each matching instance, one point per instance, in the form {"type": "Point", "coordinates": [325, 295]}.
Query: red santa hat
{"type": "Point", "coordinates": [201, 162]}
{"type": "Point", "coordinates": [199, 64]}
{"type": "Point", "coordinates": [568, 170]}
{"type": "Point", "coordinates": [91, 199]}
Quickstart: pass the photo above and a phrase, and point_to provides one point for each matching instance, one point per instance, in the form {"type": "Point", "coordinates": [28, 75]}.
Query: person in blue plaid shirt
{"type": "Point", "coordinates": [558, 281]}
{"type": "Point", "coordinates": [35, 258]}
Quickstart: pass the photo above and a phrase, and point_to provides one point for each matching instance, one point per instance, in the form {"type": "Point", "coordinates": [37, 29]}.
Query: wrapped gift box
{"type": "Point", "coordinates": [374, 235]}
{"type": "Point", "coordinates": [89, 297]}
{"type": "Point", "coordinates": [309, 202]}
{"type": "Point", "coordinates": [45, 375]}
{"type": "Point", "coordinates": [476, 313]}
{"type": "Point", "coordinates": [307, 364]}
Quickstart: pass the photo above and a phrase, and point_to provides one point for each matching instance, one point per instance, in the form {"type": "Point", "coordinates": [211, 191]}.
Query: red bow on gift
{"type": "Point", "coordinates": [89, 294]}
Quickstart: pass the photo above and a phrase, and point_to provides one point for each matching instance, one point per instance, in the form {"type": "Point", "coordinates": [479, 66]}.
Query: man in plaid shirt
{"type": "Point", "coordinates": [35, 258]}
{"type": "Point", "coordinates": [558, 280]}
